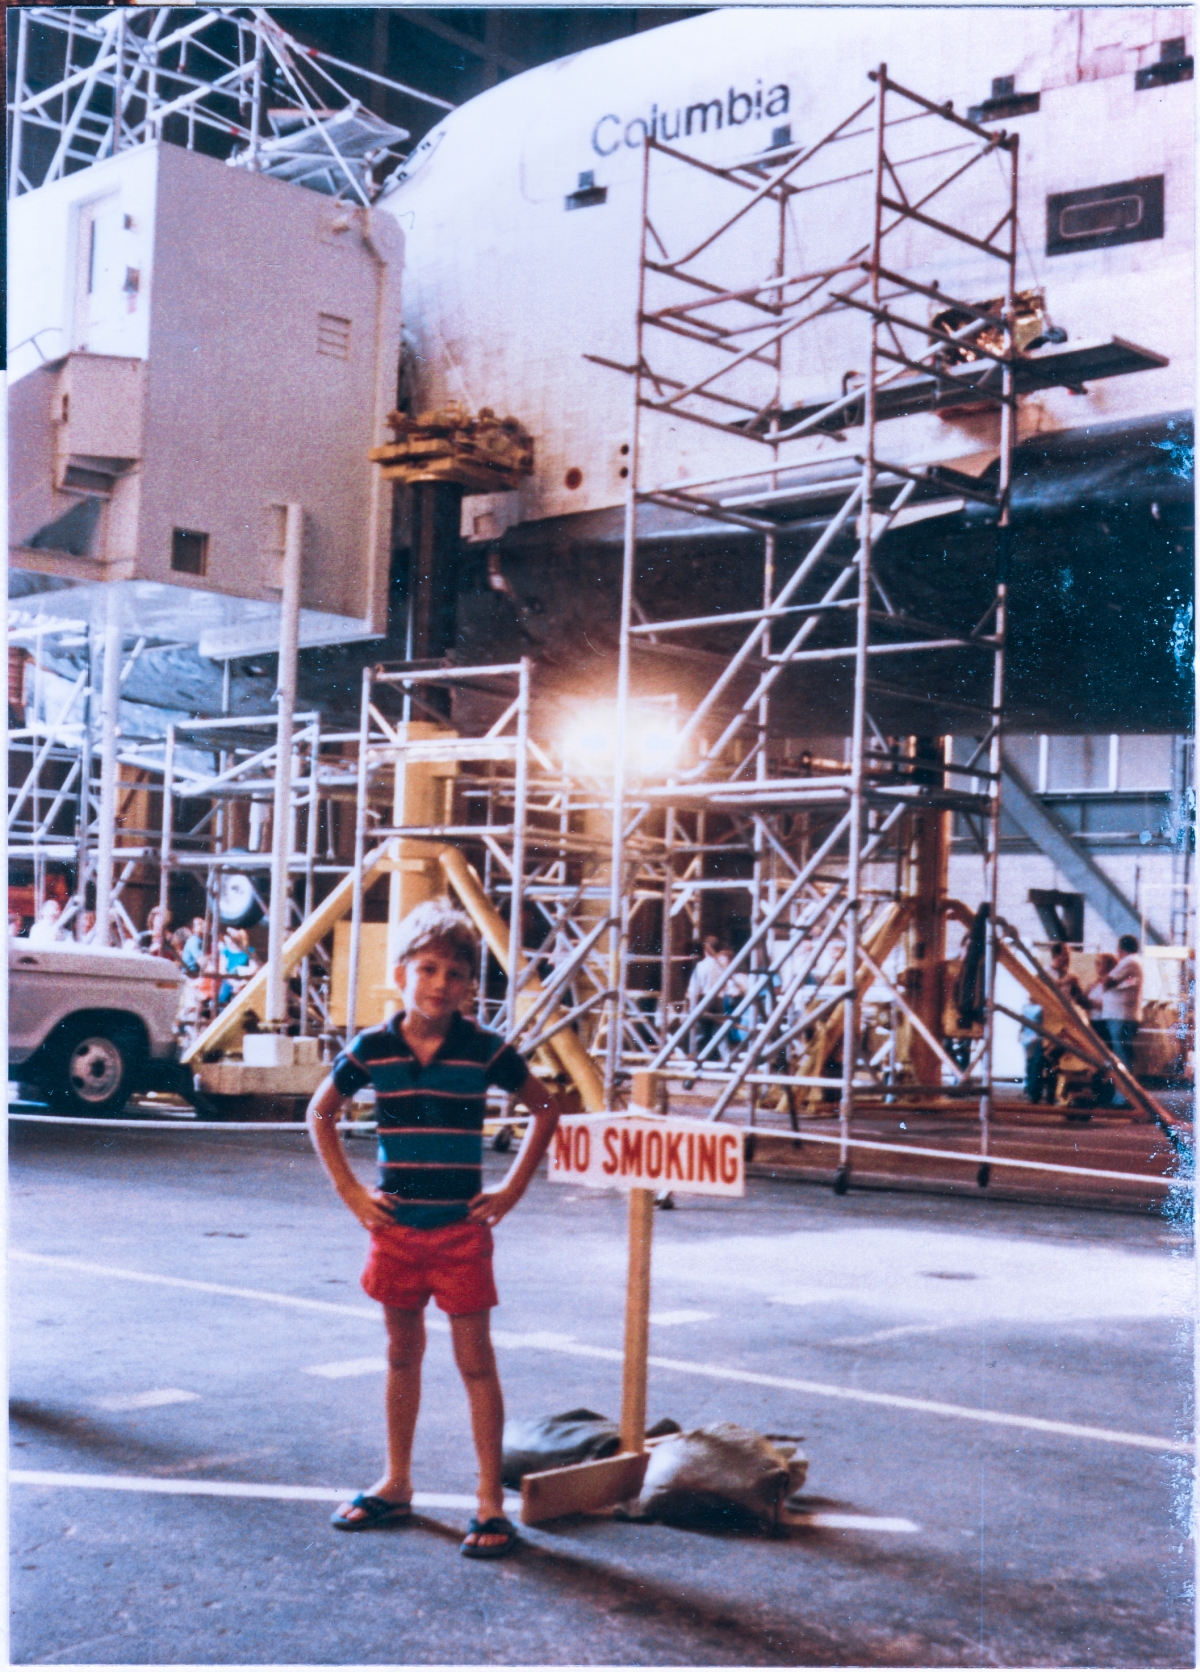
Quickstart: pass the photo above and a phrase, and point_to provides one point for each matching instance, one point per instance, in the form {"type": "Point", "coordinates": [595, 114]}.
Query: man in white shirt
{"type": "Point", "coordinates": [1122, 1000]}
{"type": "Point", "coordinates": [705, 983]}
{"type": "Point", "coordinates": [45, 930]}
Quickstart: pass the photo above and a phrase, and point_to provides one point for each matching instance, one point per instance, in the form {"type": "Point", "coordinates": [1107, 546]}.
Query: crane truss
{"type": "Point", "coordinates": [227, 80]}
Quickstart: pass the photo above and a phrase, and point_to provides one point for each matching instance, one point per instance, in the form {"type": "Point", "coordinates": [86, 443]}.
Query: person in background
{"type": "Point", "coordinates": [1102, 1010]}
{"type": "Point", "coordinates": [1123, 986]}
{"type": "Point", "coordinates": [1060, 971]}
{"type": "Point", "coordinates": [206, 986]}
{"type": "Point", "coordinates": [15, 924]}
{"type": "Point", "coordinates": [45, 930]}
{"type": "Point", "coordinates": [1100, 1003]}
{"type": "Point", "coordinates": [705, 983]}
{"type": "Point", "coordinates": [1034, 1047]}
{"type": "Point", "coordinates": [238, 964]}
{"type": "Point", "coordinates": [154, 934]}
{"type": "Point", "coordinates": [192, 956]}
{"type": "Point", "coordinates": [736, 989]}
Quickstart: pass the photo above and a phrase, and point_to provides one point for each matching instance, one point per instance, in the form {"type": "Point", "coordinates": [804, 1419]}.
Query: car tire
{"type": "Point", "coordinates": [99, 1065]}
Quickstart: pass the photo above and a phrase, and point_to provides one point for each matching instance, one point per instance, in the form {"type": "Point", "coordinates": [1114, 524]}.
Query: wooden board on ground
{"type": "Point", "coordinates": [582, 1487]}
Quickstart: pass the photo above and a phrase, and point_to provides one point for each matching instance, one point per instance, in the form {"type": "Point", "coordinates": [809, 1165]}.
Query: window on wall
{"type": "Point", "coordinates": [1078, 763]}
{"type": "Point", "coordinates": [1100, 216]}
{"type": "Point", "coordinates": [1144, 763]}
{"type": "Point", "coordinates": [1097, 762]}
{"type": "Point", "coordinates": [1021, 748]}
{"type": "Point", "coordinates": [189, 551]}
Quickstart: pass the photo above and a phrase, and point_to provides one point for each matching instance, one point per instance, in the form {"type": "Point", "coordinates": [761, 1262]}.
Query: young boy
{"type": "Point", "coordinates": [429, 1221]}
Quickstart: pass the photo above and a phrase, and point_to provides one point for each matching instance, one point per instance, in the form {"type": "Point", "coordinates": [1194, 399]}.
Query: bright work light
{"type": "Point", "coordinates": [590, 740]}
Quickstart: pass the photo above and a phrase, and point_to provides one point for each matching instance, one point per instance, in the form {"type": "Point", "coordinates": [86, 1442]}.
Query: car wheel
{"type": "Point", "coordinates": [99, 1068]}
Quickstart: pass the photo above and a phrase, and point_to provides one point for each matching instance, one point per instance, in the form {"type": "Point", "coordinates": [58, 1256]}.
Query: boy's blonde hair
{"type": "Point", "coordinates": [437, 920]}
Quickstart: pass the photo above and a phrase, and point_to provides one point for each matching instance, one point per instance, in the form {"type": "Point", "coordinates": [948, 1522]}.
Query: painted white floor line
{"type": "Point", "coordinates": [347, 1367]}
{"type": "Point", "coordinates": [236, 1489]}
{"type": "Point", "coordinates": [549, 1339]}
{"type": "Point", "coordinates": [930, 1407]}
{"type": "Point", "coordinates": [147, 1401]}
{"type": "Point", "coordinates": [550, 1342]}
{"type": "Point", "coordinates": [681, 1317]}
{"type": "Point", "coordinates": [299, 1301]}
{"type": "Point", "coordinates": [271, 1296]}
{"type": "Point", "coordinates": [885, 1335]}
{"type": "Point", "coordinates": [835, 1520]}
{"type": "Point", "coordinates": [181, 1123]}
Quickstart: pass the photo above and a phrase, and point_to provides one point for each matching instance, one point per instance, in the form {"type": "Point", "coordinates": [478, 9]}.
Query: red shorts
{"type": "Point", "coordinates": [452, 1263]}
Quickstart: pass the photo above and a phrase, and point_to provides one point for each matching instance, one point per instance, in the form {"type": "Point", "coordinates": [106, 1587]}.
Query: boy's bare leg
{"type": "Point", "coordinates": [406, 1349]}
{"type": "Point", "coordinates": [476, 1360]}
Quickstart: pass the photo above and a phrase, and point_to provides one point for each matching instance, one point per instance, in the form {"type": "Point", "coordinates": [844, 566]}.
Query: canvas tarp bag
{"type": "Point", "coordinates": [721, 1474]}
{"type": "Point", "coordinates": [532, 1444]}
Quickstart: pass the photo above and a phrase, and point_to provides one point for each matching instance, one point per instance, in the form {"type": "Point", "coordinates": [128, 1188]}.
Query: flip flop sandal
{"type": "Point", "coordinates": [377, 1512]}
{"type": "Point", "coordinates": [489, 1552]}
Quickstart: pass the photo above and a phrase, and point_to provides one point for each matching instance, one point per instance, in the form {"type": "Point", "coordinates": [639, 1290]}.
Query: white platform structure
{"type": "Point", "coordinates": [217, 344]}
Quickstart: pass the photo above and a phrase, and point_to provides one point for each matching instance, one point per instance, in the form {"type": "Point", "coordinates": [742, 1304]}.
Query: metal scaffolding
{"type": "Point", "coordinates": [227, 80]}
{"type": "Point", "coordinates": [111, 810]}
{"type": "Point", "coordinates": [730, 320]}
{"type": "Point", "coordinates": [240, 790]}
{"type": "Point", "coordinates": [515, 828]}
{"type": "Point", "coordinates": [588, 869]}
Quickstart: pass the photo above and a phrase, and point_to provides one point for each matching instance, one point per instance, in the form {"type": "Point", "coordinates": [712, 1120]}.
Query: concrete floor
{"type": "Point", "coordinates": [1027, 1546]}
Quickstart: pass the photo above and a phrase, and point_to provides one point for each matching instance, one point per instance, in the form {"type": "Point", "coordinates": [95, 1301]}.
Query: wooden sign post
{"type": "Point", "coordinates": [641, 1153]}
{"type": "Point", "coordinates": [637, 1321]}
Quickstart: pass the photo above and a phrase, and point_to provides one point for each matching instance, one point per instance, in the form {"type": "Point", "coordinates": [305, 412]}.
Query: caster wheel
{"type": "Point", "coordinates": [841, 1181]}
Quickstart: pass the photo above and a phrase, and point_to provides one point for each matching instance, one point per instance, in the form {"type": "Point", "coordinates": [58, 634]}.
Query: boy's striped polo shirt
{"type": "Point", "coordinates": [430, 1119]}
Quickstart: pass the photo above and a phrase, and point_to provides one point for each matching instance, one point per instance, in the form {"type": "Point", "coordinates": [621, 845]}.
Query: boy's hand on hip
{"type": "Point", "coordinates": [370, 1208]}
{"type": "Point", "coordinates": [490, 1206]}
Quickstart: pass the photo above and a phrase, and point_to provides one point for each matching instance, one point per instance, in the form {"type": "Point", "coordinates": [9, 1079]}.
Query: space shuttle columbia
{"type": "Point", "coordinates": [523, 219]}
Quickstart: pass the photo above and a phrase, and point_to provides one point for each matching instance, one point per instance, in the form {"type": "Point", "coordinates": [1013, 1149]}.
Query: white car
{"type": "Point", "coordinates": [89, 1026]}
